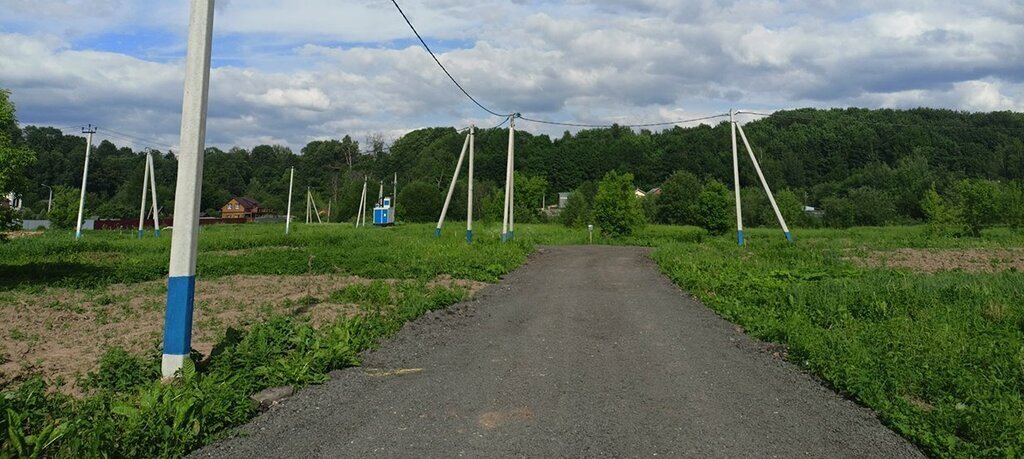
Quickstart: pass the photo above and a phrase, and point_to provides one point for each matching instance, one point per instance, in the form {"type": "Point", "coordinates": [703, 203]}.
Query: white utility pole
{"type": "Point", "coordinates": [451, 188]}
{"type": "Point", "coordinates": [152, 184]}
{"type": "Point", "coordinates": [288, 218]}
{"type": "Point", "coordinates": [309, 218]}
{"type": "Point", "coordinates": [506, 218]}
{"type": "Point", "coordinates": [49, 203]}
{"type": "Point", "coordinates": [181, 283]}
{"type": "Point", "coordinates": [145, 189]}
{"type": "Point", "coordinates": [469, 200]}
{"type": "Point", "coordinates": [764, 183]}
{"type": "Point", "coordinates": [85, 178]}
{"type": "Point", "coordinates": [361, 213]}
{"type": "Point", "coordinates": [736, 177]}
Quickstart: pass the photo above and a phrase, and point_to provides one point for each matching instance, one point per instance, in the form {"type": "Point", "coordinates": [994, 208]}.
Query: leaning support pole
{"type": "Point", "coordinates": [145, 186]}
{"type": "Point", "coordinates": [288, 218]}
{"type": "Point", "coordinates": [451, 188]}
{"type": "Point", "coordinates": [764, 183]}
{"type": "Point", "coordinates": [469, 199]}
{"type": "Point", "coordinates": [181, 283]}
{"type": "Point", "coordinates": [315, 210]}
{"type": "Point", "coordinates": [309, 218]}
{"type": "Point", "coordinates": [736, 177]}
{"type": "Point", "coordinates": [508, 182]}
{"type": "Point", "coordinates": [156, 208]}
{"type": "Point", "coordinates": [85, 180]}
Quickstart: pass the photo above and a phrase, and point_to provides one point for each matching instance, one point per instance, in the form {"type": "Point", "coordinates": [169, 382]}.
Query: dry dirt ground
{"type": "Point", "coordinates": [61, 333]}
{"type": "Point", "coordinates": [932, 261]}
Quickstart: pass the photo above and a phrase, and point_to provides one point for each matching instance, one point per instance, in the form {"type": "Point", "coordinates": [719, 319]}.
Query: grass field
{"type": "Point", "coordinates": [929, 333]}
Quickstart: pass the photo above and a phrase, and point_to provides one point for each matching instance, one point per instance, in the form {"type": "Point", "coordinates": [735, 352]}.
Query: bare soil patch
{"type": "Point", "coordinates": [61, 333]}
{"type": "Point", "coordinates": [932, 261]}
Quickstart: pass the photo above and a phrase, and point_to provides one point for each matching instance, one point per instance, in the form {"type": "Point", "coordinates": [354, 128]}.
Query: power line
{"type": "Point", "coordinates": [133, 138]}
{"type": "Point", "coordinates": [643, 125]}
{"type": "Point", "coordinates": [446, 72]}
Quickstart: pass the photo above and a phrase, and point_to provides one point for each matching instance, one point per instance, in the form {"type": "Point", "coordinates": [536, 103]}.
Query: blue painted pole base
{"type": "Point", "coordinates": [140, 234]}
{"type": "Point", "coordinates": [789, 236]}
{"type": "Point", "coordinates": [469, 236]}
{"type": "Point", "coordinates": [511, 235]}
{"type": "Point", "coordinates": [437, 232]}
{"type": "Point", "coordinates": [504, 237]}
{"type": "Point", "coordinates": [739, 236]}
{"type": "Point", "coordinates": [181, 295]}
{"type": "Point", "coordinates": [78, 235]}
{"type": "Point", "coordinates": [156, 233]}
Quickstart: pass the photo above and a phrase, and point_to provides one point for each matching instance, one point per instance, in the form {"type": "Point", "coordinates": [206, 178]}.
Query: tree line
{"type": "Point", "coordinates": [858, 166]}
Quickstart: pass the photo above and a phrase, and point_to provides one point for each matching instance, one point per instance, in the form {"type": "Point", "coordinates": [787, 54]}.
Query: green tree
{"type": "Point", "coordinates": [839, 212]}
{"type": "Point", "coordinates": [712, 210]}
{"type": "Point", "coordinates": [978, 202]}
{"type": "Point", "coordinates": [64, 214]}
{"type": "Point", "coordinates": [14, 159]}
{"type": "Point", "coordinates": [1013, 205]}
{"type": "Point", "coordinates": [529, 196]}
{"type": "Point", "coordinates": [420, 201]}
{"type": "Point", "coordinates": [617, 211]}
{"type": "Point", "coordinates": [943, 219]}
{"type": "Point", "coordinates": [678, 201]}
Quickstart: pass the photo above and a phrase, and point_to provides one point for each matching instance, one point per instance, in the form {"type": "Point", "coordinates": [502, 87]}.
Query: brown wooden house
{"type": "Point", "coordinates": [245, 209]}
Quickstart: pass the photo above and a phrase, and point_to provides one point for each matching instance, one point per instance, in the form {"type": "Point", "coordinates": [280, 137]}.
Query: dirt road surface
{"type": "Point", "coordinates": [584, 351]}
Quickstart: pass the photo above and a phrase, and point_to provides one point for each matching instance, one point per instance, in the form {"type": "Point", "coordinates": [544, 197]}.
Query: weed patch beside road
{"type": "Point", "coordinates": [939, 356]}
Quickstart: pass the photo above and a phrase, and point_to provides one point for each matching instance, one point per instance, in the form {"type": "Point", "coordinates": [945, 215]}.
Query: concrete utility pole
{"type": "Point", "coordinates": [85, 178]}
{"type": "Point", "coordinates": [288, 218]}
{"type": "Point", "coordinates": [507, 227]}
{"type": "Point", "coordinates": [736, 177]}
{"type": "Point", "coordinates": [49, 203]}
{"type": "Point", "coordinates": [181, 283]}
{"type": "Point", "coordinates": [309, 218]}
{"type": "Point", "coordinates": [142, 207]}
{"type": "Point", "coordinates": [764, 183]}
{"type": "Point", "coordinates": [451, 188]}
{"type": "Point", "coordinates": [469, 200]}
{"type": "Point", "coordinates": [152, 184]}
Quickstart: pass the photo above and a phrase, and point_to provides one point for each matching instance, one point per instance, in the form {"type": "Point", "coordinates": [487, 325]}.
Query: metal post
{"type": "Point", "coordinates": [764, 183]}
{"type": "Point", "coordinates": [736, 177]}
{"type": "Point", "coordinates": [309, 218]}
{"type": "Point", "coordinates": [451, 188]}
{"type": "Point", "coordinates": [181, 283]}
{"type": "Point", "coordinates": [288, 217]}
{"type": "Point", "coordinates": [469, 205]}
{"type": "Point", "coordinates": [85, 178]}
{"type": "Point", "coordinates": [145, 186]}
{"type": "Point", "coordinates": [152, 184]}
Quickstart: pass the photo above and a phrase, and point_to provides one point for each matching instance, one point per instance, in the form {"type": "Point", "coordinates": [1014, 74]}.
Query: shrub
{"type": "Point", "coordinates": [64, 214]}
{"type": "Point", "coordinates": [420, 202]}
{"type": "Point", "coordinates": [712, 209]}
{"type": "Point", "coordinates": [943, 219]}
{"type": "Point", "coordinates": [978, 203]}
{"type": "Point", "coordinates": [617, 211]}
{"type": "Point", "coordinates": [677, 204]}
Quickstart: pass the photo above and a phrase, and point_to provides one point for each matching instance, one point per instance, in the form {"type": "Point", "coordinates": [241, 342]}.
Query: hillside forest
{"type": "Point", "coordinates": [856, 167]}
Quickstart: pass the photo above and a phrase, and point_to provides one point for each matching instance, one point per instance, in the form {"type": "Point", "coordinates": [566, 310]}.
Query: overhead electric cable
{"type": "Point", "coordinates": [666, 123]}
{"type": "Point", "coordinates": [446, 72]}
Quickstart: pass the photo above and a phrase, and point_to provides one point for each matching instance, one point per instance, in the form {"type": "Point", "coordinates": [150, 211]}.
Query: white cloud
{"type": "Point", "coordinates": [290, 72]}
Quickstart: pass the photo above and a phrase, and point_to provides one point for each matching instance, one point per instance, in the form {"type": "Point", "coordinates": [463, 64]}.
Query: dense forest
{"type": "Point", "coordinates": [861, 167]}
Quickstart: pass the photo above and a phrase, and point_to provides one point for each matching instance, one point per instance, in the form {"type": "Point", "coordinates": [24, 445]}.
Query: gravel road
{"type": "Point", "coordinates": [584, 351]}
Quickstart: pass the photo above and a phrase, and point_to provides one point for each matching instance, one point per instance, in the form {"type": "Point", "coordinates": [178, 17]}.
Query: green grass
{"type": "Point", "coordinates": [939, 356]}
{"type": "Point", "coordinates": [102, 258]}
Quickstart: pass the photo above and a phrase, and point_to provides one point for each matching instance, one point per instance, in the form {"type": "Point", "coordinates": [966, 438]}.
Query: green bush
{"type": "Point", "coordinates": [64, 214]}
{"type": "Point", "coordinates": [978, 202]}
{"type": "Point", "coordinates": [679, 198]}
{"type": "Point", "coordinates": [617, 211]}
{"type": "Point", "coordinates": [420, 202]}
{"type": "Point", "coordinates": [712, 209]}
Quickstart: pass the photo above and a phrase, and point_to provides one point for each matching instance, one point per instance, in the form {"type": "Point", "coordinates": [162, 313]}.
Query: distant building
{"type": "Point", "coordinates": [12, 200]}
{"type": "Point", "coordinates": [640, 194]}
{"type": "Point", "coordinates": [654, 192]}
{"type": "Point", "coordinates": [563, 199]}
{"type": "Point", "coordinates": [243, 209]}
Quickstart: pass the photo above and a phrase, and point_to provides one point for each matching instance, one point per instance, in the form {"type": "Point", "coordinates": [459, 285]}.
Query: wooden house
{"type": "Point", "coordinates": [245, 209]}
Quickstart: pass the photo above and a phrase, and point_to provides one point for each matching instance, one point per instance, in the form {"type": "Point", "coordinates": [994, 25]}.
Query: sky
{"type": "Point", "coordinates": [289, 72]}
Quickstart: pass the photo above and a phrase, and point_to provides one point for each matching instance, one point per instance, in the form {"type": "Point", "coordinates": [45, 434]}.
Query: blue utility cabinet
{"type": "Point", "coordinates": [384, 214]}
